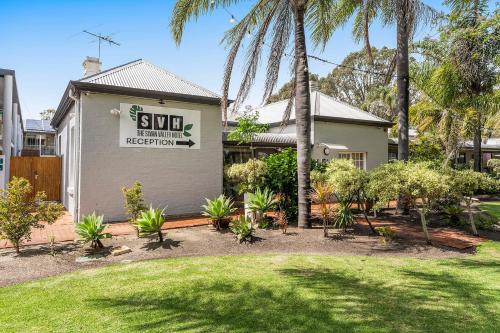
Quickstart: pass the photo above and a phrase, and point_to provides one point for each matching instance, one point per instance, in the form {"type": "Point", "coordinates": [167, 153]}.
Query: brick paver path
{"type": "Point", "coordinates": [63, 230]}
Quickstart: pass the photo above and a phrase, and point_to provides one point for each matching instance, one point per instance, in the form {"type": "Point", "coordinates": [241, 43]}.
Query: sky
{"type": "Point", "coordinates": [43, 42]}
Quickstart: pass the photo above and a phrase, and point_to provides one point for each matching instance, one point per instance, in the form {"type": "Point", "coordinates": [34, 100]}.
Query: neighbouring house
{"type": "Point", "coordinates": [338, 130]}
{"type": "Point", "coordinates": [490, 148]}
{"type": "Point", "coordinates": [11, 130]}
{"type": "Point", "coordinates": [137, 122]}
{"type": "Point", "coordinates": [39, 138]}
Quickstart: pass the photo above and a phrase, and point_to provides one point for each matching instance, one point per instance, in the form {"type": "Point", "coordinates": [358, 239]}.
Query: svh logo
{"type": "Point", "coordinates": [159, 122]}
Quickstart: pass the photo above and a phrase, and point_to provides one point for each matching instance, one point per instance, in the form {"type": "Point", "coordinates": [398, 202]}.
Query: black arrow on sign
{"type": "Point", "coordinates": [189, 143]}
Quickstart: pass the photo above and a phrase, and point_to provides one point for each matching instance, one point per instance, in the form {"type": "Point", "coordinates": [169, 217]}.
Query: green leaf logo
{"type": "Point", "coordinates": [187, 128]}
{"type": "Point", "coordinates": [133, 112]}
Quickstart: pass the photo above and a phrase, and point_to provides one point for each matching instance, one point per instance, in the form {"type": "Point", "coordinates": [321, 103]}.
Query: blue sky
{"type": "Point", "coordinates": [43, 43]}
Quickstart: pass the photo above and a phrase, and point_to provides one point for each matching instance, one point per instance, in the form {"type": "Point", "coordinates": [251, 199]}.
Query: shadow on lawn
{"type": "Point", "coordinates": [314, 300]}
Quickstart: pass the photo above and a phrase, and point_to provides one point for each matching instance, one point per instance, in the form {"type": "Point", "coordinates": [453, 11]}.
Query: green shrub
{"type": "Point", "coordinates": [343, 216]}
{"type": "Point", "coordinates": [281, 177]}
{"type": "Point", "coordinates": [20, 212]}
{"type": "Point", "coordinates": [485, 221]}
{"type": "Point", "coordinates": [488, 185]}
{"type": "Point", "coordinates": [318, 177]}
{"type": "Point", "coordinates": [151, 221]}
{"type": "Point", "coordinates": [246, 177]}
{"type": "Point", "coordinates": [452, 214]}
{"type": "Point", "coordinates": [350, 183]}
{"type": "Point", "coordinates": [243, 228]}
{"type": "Point", "coordinates": [387, 233]}
{"type": "Point", "coordinates": [219, 211]}
{"type": "Point", "coordinates": [134, 201]}
{"type": "Point", "coordinates": [494, 167]}
{"type": "Point", "coordinates": [91, 229]}
{"type": "Point", "coordinates": [261, 202]}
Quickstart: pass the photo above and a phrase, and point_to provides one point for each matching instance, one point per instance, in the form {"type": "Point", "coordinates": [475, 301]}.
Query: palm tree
{"type": "Point", "coordinates": [279, 19]}
{"type": "Point", "coordinates": [406, 15]}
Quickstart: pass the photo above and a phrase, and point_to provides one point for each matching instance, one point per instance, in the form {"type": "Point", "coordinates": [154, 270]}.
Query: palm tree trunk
{"type": "Point", "coordinates": [303, 117]}
{"type": "Point", "coordinates": [160, 237]}
{"type": "Point", "coordinates": [477, 144]}
{"type": "Point", "coordinates": [403, 73]}
{"type": "Point", "coordinates": [403, 84]}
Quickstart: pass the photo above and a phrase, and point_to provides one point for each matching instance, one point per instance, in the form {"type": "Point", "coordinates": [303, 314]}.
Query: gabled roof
{"type": "Point", "coordinates": [140, 74]}
{"type": "Point", "coordinates": [323, 108]}
{"type": "Point", "coordinates": [37, 125]}
{"type": "Point", "coordinates": [137, 78]}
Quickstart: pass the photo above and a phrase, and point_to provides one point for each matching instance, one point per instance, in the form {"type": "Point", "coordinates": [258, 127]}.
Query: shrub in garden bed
{"type": "Point", "coordinates": [134, 202]}
{"type": "Point", "coordinates": [259, 204]}
{"type": "Point", "coordinates": [20, 212]}
{"type": "Point", "coordinates": [151, 221]}
{"type": "Point", "coordinates": [243, 228]}
{"type": "Point", "coordinates": [91, 229]}
{"type": "Point", "coordinates": [281, 177]}
{"type": "Point", "coordinates": [219, 211]}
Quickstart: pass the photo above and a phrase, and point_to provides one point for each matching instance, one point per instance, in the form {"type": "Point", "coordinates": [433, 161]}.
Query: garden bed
{"type": "Point", "coordinates": [36, 261]}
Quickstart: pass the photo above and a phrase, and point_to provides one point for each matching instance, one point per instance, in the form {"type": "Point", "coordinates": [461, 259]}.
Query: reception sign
{"type": "Point", "coordinates": [159, 127]}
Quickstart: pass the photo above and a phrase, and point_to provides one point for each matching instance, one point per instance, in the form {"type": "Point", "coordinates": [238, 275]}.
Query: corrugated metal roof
{"type": "Point", "coordinates": [321, 105]}
{"type": "Point", "coordinates": [140, 74]}
{"type": "Point", "coordinates": [37, 125]}
{"type": "Point", "coordinates": [279, 138]}
{"type": "Point", "coordinates": [491, 143]}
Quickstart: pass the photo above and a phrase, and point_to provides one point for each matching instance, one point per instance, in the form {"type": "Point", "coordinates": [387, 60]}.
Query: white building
{"type": "Point", "coordinates": [137, 122]}
{"type": "Point", "coordinates": [338, 130]}
{"type": "Point", "coordinates": [11, 123]}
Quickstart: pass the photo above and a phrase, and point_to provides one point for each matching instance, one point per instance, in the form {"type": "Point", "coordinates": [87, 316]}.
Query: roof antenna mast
{"type": "Point", "coordinates": [100, 38]}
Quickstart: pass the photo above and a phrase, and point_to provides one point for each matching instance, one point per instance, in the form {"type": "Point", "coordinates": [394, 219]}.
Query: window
{"type": "Point", "coordinates": [358, 159]}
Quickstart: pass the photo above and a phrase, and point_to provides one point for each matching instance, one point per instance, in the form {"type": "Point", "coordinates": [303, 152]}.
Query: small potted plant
{"type": "Point", "coordinates": [219, 211]}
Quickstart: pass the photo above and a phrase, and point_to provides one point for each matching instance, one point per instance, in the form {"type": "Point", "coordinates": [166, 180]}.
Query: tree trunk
{"type": "Point", "coordinates": [471, 218]}
{"type": "Point", "coordinates": [477, 143]}
{"type": "Point", "coordinates": [363, 208]}
{"type": "Point", "coordinates": [424, 226]}
{"type": "Point", "coordinates": [99, 243]}
{"type": "Point", "coordinates": [16, 246]}
{"type": "Point", "coordinates": [303, 118]}
{"type": "Point", "coordinates": [403, 84]}
{"type": "Point", "coordinates": [160, 237]}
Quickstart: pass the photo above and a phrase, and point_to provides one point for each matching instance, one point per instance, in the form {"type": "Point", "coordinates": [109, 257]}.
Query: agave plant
{"type": "Point", "coordinates": [261, 202]}
{"type": "Point", "coordinates": [344, 216]}
{"type": "Point", "coordinates": [218, 211]}
{"type": "Point", "coordinates": [91, 228]}
{"type": "Point", "coordinates": [151, 221]}
{"type": "Point", "coordinates": [243, 228]}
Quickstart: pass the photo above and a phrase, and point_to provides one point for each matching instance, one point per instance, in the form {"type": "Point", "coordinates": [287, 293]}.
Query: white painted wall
{"type": "Point", "coordinates": [178, 178]}
{"type": "Point", "coordinates": [371, 140]}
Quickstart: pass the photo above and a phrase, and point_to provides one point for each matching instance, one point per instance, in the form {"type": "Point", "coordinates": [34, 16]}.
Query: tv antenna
{"type": "Point", "coordinates": [101, 38]}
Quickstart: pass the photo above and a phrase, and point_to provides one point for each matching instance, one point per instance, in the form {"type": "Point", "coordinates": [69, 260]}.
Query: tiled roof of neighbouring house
{"type": "Point", "coordinates": [37, 125]}
{"type": "Point", "coordinates": [140, 74]}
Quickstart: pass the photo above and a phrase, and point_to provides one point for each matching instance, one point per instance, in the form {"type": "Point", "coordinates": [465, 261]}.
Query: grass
{"type": "Point", "coordinates": [492, 207]}
{"type": "Point", "coordinates": [265, 293]}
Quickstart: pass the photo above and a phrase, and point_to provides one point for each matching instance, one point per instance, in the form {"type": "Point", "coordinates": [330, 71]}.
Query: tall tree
{"type": "Point", "coordinates": [473, 37]}
{"type": "Point", "coordinates": [47, 114]}
{"type": "Point", "coordinates": [282, 20]}
{"type": "Point", "coordinates": [406, 15]}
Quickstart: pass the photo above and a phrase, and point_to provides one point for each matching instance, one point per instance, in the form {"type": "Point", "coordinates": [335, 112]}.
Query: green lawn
{"type": "Point", "coordinates": [492, 207]}
{"type": "Point", "coordinates": [265, 293]}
